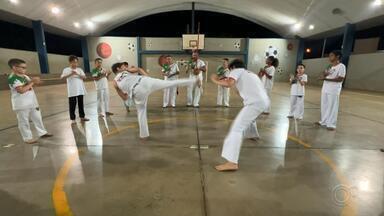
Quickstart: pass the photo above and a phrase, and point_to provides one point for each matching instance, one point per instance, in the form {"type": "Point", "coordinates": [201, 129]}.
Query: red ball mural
{"type": "Point", "coordinates": [104, 50]}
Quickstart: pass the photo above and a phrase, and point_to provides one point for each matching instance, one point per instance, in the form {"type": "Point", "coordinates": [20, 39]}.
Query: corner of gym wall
{"type": "Point", "coordinates": [112, 50]}
{"type": "Point", "coordinates": [287, 56]}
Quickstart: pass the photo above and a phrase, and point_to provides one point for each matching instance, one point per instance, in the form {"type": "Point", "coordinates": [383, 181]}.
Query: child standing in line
{"type": "Point", "coordinates": [76, 90]}
{"type": "Point", "coordinates": [267, 75]}
{"type": "Point", "coordinates": [223, 92]}
{"type": "Point", "coordinates": [298, 83]}
{"type": "Point", "coordinates": [24, 101]}
{"type": "Point", "coordinates": [100, 76]}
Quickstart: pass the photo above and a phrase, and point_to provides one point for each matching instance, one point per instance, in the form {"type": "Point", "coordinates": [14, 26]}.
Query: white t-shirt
{"type": "Point", "coordinates": [126, 80]}
{"type": "Point", "coordinates": [297, 88]}
{"type": "Point", "coordinates": [101, 83]}
{"type": "Point", "coordinates": [250, 88]}
{"type": "Point", "coordinates": [75, 84]}
{"type": "Point", "coordinates": [334, 87]}
{"type": "Point", "coordinates": [199, 64]}
{"type": "Point", "coordinates": [268, 83]}
{"type": "Point", "coordinates": [28, 99]}
{"type": "Point", "coordinates": [174, 68]}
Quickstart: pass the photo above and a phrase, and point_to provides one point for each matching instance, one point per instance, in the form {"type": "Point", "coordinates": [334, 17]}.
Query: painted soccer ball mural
{"type": "Point", "coordinates": [271, 51]}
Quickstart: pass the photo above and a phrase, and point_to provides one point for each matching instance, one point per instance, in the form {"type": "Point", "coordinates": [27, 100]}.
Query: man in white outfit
{"type": "Point", "coordinates": [223, 92]}
{"type": "Point", "coordinates": [195, 68]}
{"type": "Point", "coordinates": [255, 100]}
{"type": "Point", "coordinates": [24, 101]}
{"type": "Point", "coordinates": [100, 76]}
{"type": "Point", "coordinates": [170, 71]}
{"type": "Point", "coordinates": [333, 78]}
{"type": "Point", "coordinates": [129, 84]}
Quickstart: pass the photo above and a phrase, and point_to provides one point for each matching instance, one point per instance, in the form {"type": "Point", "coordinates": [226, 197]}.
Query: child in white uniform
{"type": "Point", "coordinates": [223, 92]}
{"type": "Point", "coordinates": [255, 100]}
{"type": "Point", "coordinates": [76, 89]}
{"type": "Point", "coordinates": [170, 71]}
{"type": "Point", "coordinates": [196, 69]}
{"type": "Point", "coordinates": [24, 101]}
{"type": "Point", "coordinates": [129, 84]}
{"type": "Point", "coordinates": [298, 83]}
{"type": "Point", "coordinates": [333, 79]}
{"type": "Point", "coordinates": [267, 75]}
{"type": "Point", "coordinates": [100, 76]}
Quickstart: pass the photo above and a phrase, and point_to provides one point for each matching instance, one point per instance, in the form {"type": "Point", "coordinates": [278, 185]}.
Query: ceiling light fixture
{"type": "Point", "coordinates": [55, 10]}
{"type": "Point", "coordinates": [76, 24]}
{"type": "Point", "coordinates": [296, 27]}
{"type": "Point", "coordinates": [90, 24]}
{"type": "Point", "coordinates": [311, 27]}
{"type": "Point", "coordinates": [377, 3]}
{"type": "Point", "coordinates": [14, 1]}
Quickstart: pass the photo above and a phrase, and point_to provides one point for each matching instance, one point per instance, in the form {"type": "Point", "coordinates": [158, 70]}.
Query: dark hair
{"type": "Point", "coordinates": [225, 59]}
{"type": "Point", "coordinates": [15, 62]}
{"type": "Point", "coordinates": [337, 53]}
{"type": "Point", "coordinates": [275, 61]}
{"type": "Point", "coordinates": [116, 65]}
{"type": "Point", "coordinates": [72, 58]}
{"type": "Point", "coordinates": [98, 59]}
{"type": "Point", "coordinates": [236, 63]}
{"type": "Point", "coordinates": [166, 56]}
{"type": "Point", "coordinates": [124, 63]}
{"type": "Point", "coordinates": [301, 64]}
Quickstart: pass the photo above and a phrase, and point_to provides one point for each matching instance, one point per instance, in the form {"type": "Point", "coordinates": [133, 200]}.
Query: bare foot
{"type": "Point", "coordinates": [46, 135]}
{"type": "Point", "coordinates": [254, 138]}
{"type": "Point", "coordinates": [109, 113]}
{"type": "Point", "coordinates": [331, 128]}
{"type": "Point", "coordinates": [229, 166]}
{"type": "Point", "coordinates": [265, 113]}
{"type": "Point", "coordinates": [290, 117]}
{"type": "Point", "coordinates": [31, 141]}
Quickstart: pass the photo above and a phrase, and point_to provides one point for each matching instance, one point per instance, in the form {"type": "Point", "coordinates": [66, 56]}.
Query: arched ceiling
{"type": "Point", "coordinates": [277, 15]}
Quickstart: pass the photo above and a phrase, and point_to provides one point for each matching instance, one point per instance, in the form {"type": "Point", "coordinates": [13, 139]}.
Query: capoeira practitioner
{"type": "Point", "coordinates": [267, 75]}
{"type": "Point", "coordinates": [333, 78]}
{"type": "Point", "coordinates": [24, 101]}
{"type": "Point", "coordinates": [170, 71]}
{"type": "Point", "coordinates": [223, 92]}
{"type": "Point", "coordinates": [298, 83]}
{"type": "Point", "coordinates": [255, 101]}
{"type": "Point", "coordinates": [100, 76]}
{"type": "Point", "coordinates": [196, 67]}
{"type": "Point", "coordinates": [129, 84]}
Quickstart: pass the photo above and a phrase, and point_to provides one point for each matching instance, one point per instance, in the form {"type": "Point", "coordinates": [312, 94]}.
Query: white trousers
{"type": "Point", "coordinates": [222, 96]}
{"type": "Point", "coordinates": [169, 94]}
{"type": "Point", "coordinates": [194, 91]}
{"type": "Point", "coordinates": [244, 126]}
{"type": "Point", "coordinates": [297, 106]}
{"type": "Point", "coordinates": [146, 86]}
{"type": "Point", "coordinates": [23, 117]}
{"type": "Point", "coordinates": [329, 109]}
{"type": "Point", "coordinates": [268, 109]}
{"type": "Point", "coordinates": [103, 100]}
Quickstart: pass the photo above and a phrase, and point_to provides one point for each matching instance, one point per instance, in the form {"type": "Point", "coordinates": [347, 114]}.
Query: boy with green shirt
{"type": "Point", "coordinates": [100, 76]}
{"type": "Point", "coordinates": [24, 101]}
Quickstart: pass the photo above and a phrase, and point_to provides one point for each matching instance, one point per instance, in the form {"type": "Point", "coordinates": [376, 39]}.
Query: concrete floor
{"type": "Point", "coordinates": [101, 168]}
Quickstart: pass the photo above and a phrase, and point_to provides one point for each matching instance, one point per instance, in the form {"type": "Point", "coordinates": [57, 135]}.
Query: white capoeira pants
{"type": "Point", "coordinates": [103, 100]}
{"type": "Point", "coordinates": [194, 91]}
{"type": "Point", "coordinates": [297, 106]}
{"type": "Point", "coordinates": [222, 96]}
{"type": "Point", "coordinates": [146, 86]}
{"type": "Point", "coordinates": [329, 109]}
{"type": "Point", "coordinates": [244, 126]}
{"type": "Point", "coordinates": [268, 109]}
{"type": "Point", "coordinates": [170, 94]}
{"type": "Point", "coordinates": [23, 117]}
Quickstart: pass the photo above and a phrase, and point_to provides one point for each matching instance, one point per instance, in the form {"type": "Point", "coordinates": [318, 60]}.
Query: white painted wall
{"type": "Point", "coordinates": [366, 72]}
{"type": "Point", "coordinates": [120, 51]}
{"type": "Point", "coordinates": [287, 58]}
{"type": "Point", "coordinates": [314, 69]}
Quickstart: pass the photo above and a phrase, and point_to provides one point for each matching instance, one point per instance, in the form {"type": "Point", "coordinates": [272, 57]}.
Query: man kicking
{"type": "Point", "coordinates": [129, 84]}
{"type": "Point", "coordinates": [255, 100]}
